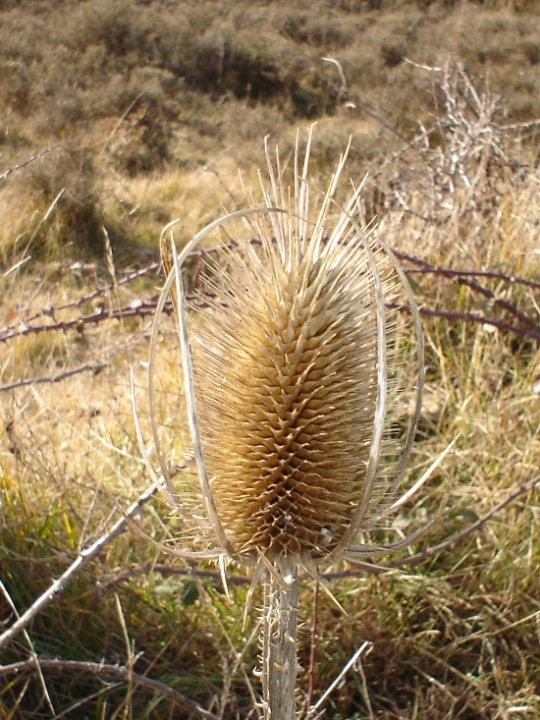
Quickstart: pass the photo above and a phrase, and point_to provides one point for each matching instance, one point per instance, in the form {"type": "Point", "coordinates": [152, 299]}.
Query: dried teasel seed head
{"type": "Point", "coordinates": [284, 369]}
{"type": "Point", "coordinates": [294, 361]}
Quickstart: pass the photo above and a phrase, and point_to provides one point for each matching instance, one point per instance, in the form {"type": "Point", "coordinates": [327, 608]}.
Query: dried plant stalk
{"type": "Point", "coordinates": [292, 364]}
{"type": "Point", "coordinates": [279, 661]}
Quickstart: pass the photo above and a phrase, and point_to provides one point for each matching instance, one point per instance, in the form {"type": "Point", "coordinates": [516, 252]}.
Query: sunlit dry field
{"type": "Point", "coordinates": [116, 122]}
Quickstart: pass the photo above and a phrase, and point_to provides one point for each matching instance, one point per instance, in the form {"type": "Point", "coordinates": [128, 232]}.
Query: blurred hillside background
{"type": "Point", "coordinates": [116, 118]}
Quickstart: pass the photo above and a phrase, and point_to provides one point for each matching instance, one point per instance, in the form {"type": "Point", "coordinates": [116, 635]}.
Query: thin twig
{"type": "Point", "coordinates": [427, 268]}
{"type": "Point", "coordinates": [461, 278]}
{"type": "Point", "coordinates": [533, 334]}
{"type": "Point", "coordinates": [26, 162]}
{"type": "Point", "coordinates": [499, 302]}
{"type": "Point", "coordinates": [94, 369]}
{"type": "Point", "coordinates": [87, 298]}
{"type": "Point", "coordinates": [138, 308]}
{"type": "Point", "coordinates": [455, 539]}
{"type": "Point", "coordinates": [35, 659]}
{"type": "Point", "coordinates": [419, 557]}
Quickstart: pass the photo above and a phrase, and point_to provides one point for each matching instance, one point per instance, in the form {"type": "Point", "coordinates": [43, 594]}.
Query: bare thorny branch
{"type": "Point", "coordinates": [94, 369]}
{"type": "Point", "coordinates": [59, 585]}
{"type": "Point", "coordinates": [26, 162]}
{"type": "Point", "coordinates": [525, 326]}
{"type": "Point", "coordinates": [107, 673]}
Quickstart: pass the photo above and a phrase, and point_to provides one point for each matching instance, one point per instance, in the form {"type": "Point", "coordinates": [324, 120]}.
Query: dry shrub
{"type": "Point", "coordinates": [54, 204]}
{"type": "Point", "coordinates": [326, 31]}
{"type": "Point", "coordinates": [457, 172]}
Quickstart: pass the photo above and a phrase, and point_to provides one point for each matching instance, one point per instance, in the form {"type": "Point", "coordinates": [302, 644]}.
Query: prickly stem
{"type": "Point", "coordinates": [279, 660]}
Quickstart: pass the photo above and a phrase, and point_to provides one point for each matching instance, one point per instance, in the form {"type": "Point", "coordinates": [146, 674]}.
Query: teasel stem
{"type": "Point", "coordinates": [279, 660]}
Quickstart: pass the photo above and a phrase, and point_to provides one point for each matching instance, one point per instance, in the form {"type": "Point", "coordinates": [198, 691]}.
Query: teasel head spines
{"type": "Point", "coordinates": [291, 362]}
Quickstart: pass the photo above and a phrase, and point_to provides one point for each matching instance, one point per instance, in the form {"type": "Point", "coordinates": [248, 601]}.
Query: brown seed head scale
{"type": "Point", "coordinates": [293, 364]}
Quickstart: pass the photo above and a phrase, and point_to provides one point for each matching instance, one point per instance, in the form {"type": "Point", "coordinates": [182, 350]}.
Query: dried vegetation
{"type": "Point", "coordinates": [115, 122]}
